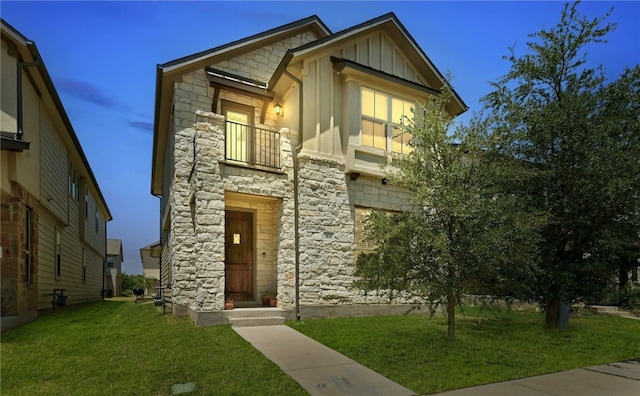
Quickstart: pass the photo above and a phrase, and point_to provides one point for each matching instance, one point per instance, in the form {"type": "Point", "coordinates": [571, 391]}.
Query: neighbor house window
{"type": "Point", "coordinates": [84, 266]}
{"type": "Point", "coordinates": [58, 253]}
{"type": "Point", "coordinates": [74, 190]}
{"type": "Point", "coordinates": [86, 203]}
{"type": "Point", "coordinates": [97, 218]}
{"type": "Point", "coordinates": [27, 246]}
{"type": "Point", "coordinates": [381, 112]}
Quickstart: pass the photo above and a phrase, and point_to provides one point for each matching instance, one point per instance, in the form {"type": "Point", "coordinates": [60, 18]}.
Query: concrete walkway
{"type": "Point", "coordinates": [323, 371]}
{"type": "Point", "coordinates": [615, 379]}
{"type": "Point", "coordinates": [320, 370]}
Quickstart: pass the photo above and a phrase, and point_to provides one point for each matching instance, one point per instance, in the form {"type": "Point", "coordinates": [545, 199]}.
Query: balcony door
{"type": "Point", "coordinates": [238, 139]}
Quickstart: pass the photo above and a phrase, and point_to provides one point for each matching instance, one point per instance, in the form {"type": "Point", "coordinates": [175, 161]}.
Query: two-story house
{"type": "Point", "coordinates": [150, 257]}
{"type": "Point", "coordinates": [113, 268]}
{"type": "Point", "coordinates": [267, 156]}
{"type": "Point", "coordinates": [53, 226]}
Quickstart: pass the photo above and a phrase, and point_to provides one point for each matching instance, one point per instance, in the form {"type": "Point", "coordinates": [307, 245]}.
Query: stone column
{"type": "Point", "coordinates": [182, 242]}
{"type": "Point", "coordinates": [208, 207]}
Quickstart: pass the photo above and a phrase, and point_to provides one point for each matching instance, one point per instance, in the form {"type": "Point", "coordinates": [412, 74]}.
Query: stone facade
{"type": "Point", "coordinates": [19, 295]}
{"type": "Point", "coordinates": [199, 184]}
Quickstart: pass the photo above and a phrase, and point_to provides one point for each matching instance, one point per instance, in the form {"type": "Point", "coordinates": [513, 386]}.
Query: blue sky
{"type": "Point", "coordinates": [102, 58]}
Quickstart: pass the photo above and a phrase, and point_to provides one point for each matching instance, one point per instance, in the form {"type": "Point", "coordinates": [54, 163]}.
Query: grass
{"type": "Point", "coordinates": [413, 350]}
{"type": "Point", "coordinates": [122, 348]}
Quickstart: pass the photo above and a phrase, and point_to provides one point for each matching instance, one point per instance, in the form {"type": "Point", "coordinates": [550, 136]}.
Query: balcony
{"type": "Point", "coordinates": [251, 146]}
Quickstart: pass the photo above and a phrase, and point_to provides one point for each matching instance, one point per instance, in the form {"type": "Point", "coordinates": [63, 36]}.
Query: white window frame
{"type": "Point", "coordinates": [388, 123]}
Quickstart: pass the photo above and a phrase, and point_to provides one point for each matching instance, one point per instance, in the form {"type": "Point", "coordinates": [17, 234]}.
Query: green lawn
{"type": "Point", "coordinates": [122, 348]}
{"type": "Point", "coordinates": [412, 350]}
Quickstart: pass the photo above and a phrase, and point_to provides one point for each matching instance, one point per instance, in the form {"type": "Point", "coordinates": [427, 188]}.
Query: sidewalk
{"type": "Point", "coordinates": [614, 379]}
{"type": "Point", "coordinates": [319, 369]}
{"type": "Point", "coordinates": [323, 371]}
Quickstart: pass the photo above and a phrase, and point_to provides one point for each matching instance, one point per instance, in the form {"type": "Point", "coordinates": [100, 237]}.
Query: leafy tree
{"type": "Point", "coordinates": [131, 281]}
{"type": "Point", "coordinates": [581, 136]}
{"type": "Point", "coordinates": [466, 233]}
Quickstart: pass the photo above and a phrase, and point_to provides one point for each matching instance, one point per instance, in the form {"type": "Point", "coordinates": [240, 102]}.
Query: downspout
{"type": "Point", "coordinates": [19, 67]}
{"type": "Point", "coordinates": [160, 239]}
{"type": "Point", "coordinates": [296, 236]}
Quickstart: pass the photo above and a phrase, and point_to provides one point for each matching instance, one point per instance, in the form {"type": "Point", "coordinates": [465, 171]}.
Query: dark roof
{"type": "Point", "coordinates": [288, 26]}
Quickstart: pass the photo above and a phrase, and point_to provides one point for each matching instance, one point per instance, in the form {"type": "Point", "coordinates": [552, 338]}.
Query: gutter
{"type": "Point", "coordinates": [296, 209]}
{"type": "Point", "coordinates": [19, 67]}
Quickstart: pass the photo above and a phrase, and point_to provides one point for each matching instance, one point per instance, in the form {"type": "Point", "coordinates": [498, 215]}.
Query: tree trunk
{"type": "Point", "coordinates": [451, 316]}
{"type": "Point", "coordinates": [552, 313]}
{"type": "Point", "coordinates": [623, 276]}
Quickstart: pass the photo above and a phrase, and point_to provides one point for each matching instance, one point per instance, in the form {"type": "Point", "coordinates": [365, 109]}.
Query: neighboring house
{"type": "Point", "coordinates": [53, 213]}
{"type": "Point", "coordinates": [150, 256]}
{"type": "Point", "coordinates": [267, 155]}
{"type": "Point", "coordinates": [113, 268]}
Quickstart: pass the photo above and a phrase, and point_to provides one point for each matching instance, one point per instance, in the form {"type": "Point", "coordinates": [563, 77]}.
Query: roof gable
{"type": "Point", "coordinates": [247, 44]}
{"type": "Point", "coordinates": [382, 44]}
{"type": "Point", "coordinates": [114, 248]}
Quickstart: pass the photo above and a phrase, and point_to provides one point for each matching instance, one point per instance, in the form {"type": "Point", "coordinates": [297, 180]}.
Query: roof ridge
{"type": "Point", "coordinates": [266, 33]}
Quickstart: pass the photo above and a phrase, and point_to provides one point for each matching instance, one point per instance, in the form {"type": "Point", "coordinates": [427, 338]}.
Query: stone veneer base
{"type": "Point", "coordinates": [216, 318]}
{"type": "Point", "coordinates": [13, 322]}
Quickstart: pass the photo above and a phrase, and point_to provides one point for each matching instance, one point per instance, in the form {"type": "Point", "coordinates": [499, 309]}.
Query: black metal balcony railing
{"type": "Point", "coordinates": [252, 146]}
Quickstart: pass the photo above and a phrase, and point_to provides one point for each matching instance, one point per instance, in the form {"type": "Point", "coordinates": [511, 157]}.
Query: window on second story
{"type": "Point", "coordinates": [74, 190]}
{"type": "Point", "coordinates": [380, 112]}
{"type": "Point", "coordinates": [97, 218]}
{"type": "Point", "coordinates": [86, 203]}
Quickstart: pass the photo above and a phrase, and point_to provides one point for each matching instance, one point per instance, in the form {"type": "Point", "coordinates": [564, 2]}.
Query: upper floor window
{"type": "Point", "coordinates": [74, 190]}
{"type": "Point", "coordinates": [97, 218]}
{"type": "Point", "coordinates": [380, 112]}
{"type": "Point", "coordinates": [86, 202]}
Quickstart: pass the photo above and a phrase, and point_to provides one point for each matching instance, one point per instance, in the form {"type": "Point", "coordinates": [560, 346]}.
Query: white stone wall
{"type": "Point", "coordinates": [327, 197]}
{"type": "Point", "coordinates": [260, 64]}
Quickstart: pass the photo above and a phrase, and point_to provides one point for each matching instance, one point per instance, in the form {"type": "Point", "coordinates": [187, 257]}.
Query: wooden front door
{"type": "Point", "coordinates": [238, 255]}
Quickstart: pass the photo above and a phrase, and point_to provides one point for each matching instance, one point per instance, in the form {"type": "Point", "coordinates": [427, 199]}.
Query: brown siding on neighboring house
{"type": "Point", "coordinates": [36, 180]}
{"type": "Point", "coordinates": [54, 168]}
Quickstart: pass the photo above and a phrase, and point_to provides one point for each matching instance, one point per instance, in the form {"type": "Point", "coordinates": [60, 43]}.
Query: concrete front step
{"type": "Point", "coordinates": [257, 321]}
{"type": "Point", "coordinates": [255, 312]}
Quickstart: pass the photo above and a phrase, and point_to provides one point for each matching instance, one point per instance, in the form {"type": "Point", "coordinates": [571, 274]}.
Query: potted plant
{"type": "Point", "coordinates": [228, 304]}
{"type": "Point", "coordinates": [266, 296]}
{"type": "Point", "coordinates": [273, 301]}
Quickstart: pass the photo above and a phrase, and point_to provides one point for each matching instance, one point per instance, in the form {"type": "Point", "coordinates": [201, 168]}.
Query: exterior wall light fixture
{"type": "Point", "coordinates": [278, 109]}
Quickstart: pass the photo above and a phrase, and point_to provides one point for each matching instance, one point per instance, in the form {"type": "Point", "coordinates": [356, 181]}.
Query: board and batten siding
{"type": "Point", "coordinates": [329, 108]}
